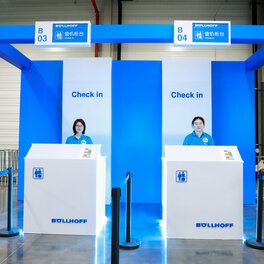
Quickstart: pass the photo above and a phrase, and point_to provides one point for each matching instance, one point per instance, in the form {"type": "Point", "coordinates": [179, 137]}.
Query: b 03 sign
{"type": "Point", "coordinates": [63, 34]}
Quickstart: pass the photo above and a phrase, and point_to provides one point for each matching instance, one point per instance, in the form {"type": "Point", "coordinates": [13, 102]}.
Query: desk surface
{"type": "Point", "coordinates": [202, 153]}
{"type": "Point", "coordinates": [64, 151]}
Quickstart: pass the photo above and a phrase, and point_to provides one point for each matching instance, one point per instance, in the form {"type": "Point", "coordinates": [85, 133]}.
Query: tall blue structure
{"type": "Point", "coordinates": [136, 103]}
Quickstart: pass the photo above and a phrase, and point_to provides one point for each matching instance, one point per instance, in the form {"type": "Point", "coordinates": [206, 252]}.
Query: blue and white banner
{"type": "Point", "coordinates": [87, 95]}
{"type": "Point", "coordinates": [63, 34]}
{"type": "Point", "coordinates": [186, 93]}
{"type": "Point", "coordinates": [202, 33]}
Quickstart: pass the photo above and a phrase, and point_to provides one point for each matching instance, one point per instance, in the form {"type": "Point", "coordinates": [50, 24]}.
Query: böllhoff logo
{"type": "Point", "coordinates": [214, 225]}
{"type": "Point", "coordinates": [68, 221]}
{"type": "Point", "coordinates": [181, 176]}
{"type": "Point", "coordinates": [38, 173]}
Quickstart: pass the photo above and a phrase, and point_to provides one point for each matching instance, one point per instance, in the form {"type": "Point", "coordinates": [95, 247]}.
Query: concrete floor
{"type": "Point", "coordinates": [35, 248]}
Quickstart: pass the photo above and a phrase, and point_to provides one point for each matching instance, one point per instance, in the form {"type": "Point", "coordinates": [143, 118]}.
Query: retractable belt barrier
{"type": "Point", "coordinates": [9, 231]}
{"type": "Point", "coordinates": [129, 242]}
{"type": "Point", "coordinates": [258, 244]}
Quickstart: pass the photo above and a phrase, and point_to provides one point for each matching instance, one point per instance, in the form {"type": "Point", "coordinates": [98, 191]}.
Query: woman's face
{"type": "Point", "coordinates": [79, 128]}
{"type": "Point", "coordinates": [198, 125]}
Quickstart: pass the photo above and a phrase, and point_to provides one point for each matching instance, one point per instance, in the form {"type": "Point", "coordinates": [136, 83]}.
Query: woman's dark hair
{"type": "Point", "coordinates": [74, 125]}
{"type": "Point", "coordinates": [198, 117]}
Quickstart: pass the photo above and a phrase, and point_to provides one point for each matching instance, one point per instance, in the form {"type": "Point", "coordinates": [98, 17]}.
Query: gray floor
{"type": "Point", "coordinates": [32, 248]}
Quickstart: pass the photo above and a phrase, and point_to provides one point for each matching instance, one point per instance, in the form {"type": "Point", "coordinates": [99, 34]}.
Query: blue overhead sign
{"type": "Point", "coordinates": [73, 34]}
{"type": "Point", "coordinates": [69, 33]}
{"type": "Point", "coordinates": [202, 33]}
{"type": "Point", "coordinates": [210, 32]}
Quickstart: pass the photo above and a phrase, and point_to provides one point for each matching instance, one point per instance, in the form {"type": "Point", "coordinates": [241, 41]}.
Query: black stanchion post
{"type": "Point", "coordinates": [10, 231]}
{"type": "Point", "coordinates": [128, 209]}
{"type": "Point", "coordinates": [116, 194]}
{"type": "Point", "coordinates": [129, 243]}
{"type": "Point", "coordinates": [10, 199]}
{"type": "Point", "coordinates": [260, 208]}
{"type": "Point", "coordinates": [258, 244]}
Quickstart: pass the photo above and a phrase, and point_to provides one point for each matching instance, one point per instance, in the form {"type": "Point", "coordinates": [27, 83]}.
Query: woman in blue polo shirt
{"type": "Point", "coordinates": [79, 136]}
{"type": "Point", "coordinates": [198, 136]}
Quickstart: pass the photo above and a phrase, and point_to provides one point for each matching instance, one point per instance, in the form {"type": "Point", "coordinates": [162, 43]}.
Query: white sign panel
{"type": "Point", "coordinates": [63, 34]}
{"type": "Point", "coordinates": [186, 93]}
{"type": "Point", "coordinates": [87, 95]}
{"type": "Point", "coordinates": [202, 33]}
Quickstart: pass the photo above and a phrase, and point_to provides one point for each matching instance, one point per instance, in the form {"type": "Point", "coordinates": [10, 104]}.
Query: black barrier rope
{"type": "Point", "coordinates": [9, 231]}
{"type": "Point", "coordinates": [129, 243]}
{"type": "Point", "coordinates": [258, 244]}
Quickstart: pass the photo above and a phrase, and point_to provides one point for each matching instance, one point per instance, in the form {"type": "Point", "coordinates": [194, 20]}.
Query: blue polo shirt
{"type": "Point", "coordinates": [82, 140]}
{"type": "Point", "coordinates": [204, 140]}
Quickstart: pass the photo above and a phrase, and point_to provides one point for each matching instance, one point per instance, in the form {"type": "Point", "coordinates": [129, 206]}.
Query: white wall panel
{"type": "Point", "coordinates": [28, 11]}
{"type": "Point", "coordinates": [166, 11]}
{"type": "Point", "coordinates": [35, 53]}
{"type": "Point", "coordinates": [159, 51]}
{"type": "Point", "coordinates": [9, 105]}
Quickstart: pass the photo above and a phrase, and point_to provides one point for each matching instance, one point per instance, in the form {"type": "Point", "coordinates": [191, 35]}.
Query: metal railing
{"type": "Point", "coordinates": [9, 231]}
{"type": "Point", "coordinates": [8, 159]}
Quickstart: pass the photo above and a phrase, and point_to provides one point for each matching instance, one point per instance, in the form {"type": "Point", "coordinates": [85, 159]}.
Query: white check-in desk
{"type": "Point", "coordinates": [64, 189]}
{"type": "Point", "coordinates": [202, 192]}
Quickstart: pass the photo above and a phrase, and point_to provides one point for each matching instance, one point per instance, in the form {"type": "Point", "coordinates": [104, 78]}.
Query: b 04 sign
{"type": "Point", "coordinates": [202, 33]}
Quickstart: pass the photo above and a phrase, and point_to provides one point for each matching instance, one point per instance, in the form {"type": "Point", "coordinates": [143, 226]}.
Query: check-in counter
{"type": "Point", "coordinates": [64, 189]}
{"type": "Point", "coordinates": [202, 192]}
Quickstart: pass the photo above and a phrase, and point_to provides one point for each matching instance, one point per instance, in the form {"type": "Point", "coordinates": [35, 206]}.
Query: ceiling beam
{"type": "Point", "coordinates": [255, 61]}
{"type": "Point", "coordinates": [248, 34]}
{"type": "Point", "coordinates": [15, 57]}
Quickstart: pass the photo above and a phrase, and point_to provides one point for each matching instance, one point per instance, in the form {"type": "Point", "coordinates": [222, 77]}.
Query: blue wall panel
{"type": "Point", "coordinates": [40, 109]}
{"type": "Point", "coordinates": [136, 127]}
{"type": "Point", "coordinates": [136, 119]}
{"type": "Point", "coordinates": [234, 116]}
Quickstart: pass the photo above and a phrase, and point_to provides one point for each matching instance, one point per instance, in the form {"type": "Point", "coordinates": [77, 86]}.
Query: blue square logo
{"type": "Point", "coordinates": [38, 173]}
{"type": "Point", "coordinates": [181, 176]}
